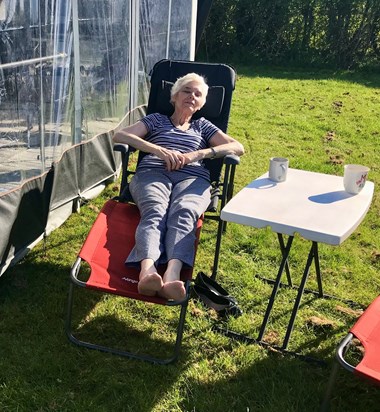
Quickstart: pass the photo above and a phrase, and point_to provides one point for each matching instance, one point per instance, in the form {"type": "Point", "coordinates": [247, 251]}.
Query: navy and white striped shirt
{"type": "Point", "coordinates": [162, 132]}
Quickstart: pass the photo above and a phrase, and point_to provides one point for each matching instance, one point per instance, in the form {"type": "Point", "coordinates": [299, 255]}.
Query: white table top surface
{"type": "Point", "coordinates": [315, 205]}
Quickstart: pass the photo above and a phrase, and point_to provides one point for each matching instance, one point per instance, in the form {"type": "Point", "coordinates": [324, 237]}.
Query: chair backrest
{"type": "Point", "coordinates": [221, 79]}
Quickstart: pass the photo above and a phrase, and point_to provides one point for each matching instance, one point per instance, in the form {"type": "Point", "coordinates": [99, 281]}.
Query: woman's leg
{"type": "Point", "coordinates": [189, 200]}
{"type": "Point", "coordinates": [151, 193]}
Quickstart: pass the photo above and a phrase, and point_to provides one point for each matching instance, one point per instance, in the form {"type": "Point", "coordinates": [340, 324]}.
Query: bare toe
{"type": "Point", "coordinates": [174, 290]}
{"type": "Point", "coordinates": [150, 284]}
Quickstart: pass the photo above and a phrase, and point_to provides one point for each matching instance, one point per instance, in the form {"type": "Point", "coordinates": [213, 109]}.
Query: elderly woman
{"type": "Point", "coordinates": [171, 186]}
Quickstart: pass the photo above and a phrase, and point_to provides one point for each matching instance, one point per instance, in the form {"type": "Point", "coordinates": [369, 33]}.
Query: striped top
{"type": "Point", "coordinates": [162, 132]}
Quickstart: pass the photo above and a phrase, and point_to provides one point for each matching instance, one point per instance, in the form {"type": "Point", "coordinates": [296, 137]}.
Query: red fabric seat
{"type": "Point", "coordinates": [108, 244]}
{"type": "Point", "coordinates": [367, 330]}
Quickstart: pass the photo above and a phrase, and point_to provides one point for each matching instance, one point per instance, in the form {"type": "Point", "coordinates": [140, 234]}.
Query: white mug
{"type": "Point", "coordinates": [354, 178]}
{"type": "Point", "coordinates": [278, 169]}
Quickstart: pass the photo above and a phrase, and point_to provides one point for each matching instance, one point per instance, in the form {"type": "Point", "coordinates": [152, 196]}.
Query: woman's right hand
{"type": "Point", "coordinates": [173, 159]}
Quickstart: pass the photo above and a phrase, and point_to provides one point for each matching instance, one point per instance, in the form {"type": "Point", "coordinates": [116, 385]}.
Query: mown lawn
{"type": "Point", "coordinates": [320, 120]}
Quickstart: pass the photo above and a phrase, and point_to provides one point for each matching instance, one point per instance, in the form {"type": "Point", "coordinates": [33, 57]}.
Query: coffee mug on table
{"type": "Point", "coordinates": [354, 178]}
{"type": "Point", "coordinates": [278, 169]}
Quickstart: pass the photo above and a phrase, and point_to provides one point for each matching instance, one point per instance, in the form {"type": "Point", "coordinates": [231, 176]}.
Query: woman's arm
{"type": "Point", "coordinates": [221, 144]}
{"type": "Point", "coordinates": [134, 136]}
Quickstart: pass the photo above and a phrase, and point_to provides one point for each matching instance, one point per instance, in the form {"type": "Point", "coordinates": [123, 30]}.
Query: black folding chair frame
{"type": "Point", "coordinates": [74, 281]}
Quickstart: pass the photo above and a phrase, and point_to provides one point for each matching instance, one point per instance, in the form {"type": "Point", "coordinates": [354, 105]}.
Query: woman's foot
{"type": "Point", "coordinates": [150, 282]}
{"type": "Point", "coordinates": [174, 290]}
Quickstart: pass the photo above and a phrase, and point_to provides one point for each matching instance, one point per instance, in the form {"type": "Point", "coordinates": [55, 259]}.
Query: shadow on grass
{"type": "Point", "coordinates": [110, 332]}
{"type": "Point", "coordinates": [41, 370]}
{"type": "Point", "coordinates": [279, 383]}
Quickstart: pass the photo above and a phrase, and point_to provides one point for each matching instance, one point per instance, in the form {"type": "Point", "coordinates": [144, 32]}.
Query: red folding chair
{"type": "Point", "coordinates": [113, 234]}
{"type": "Point", "coordinates": [367, 331]}
{"type": "Point", "coordinates": [109, 241]}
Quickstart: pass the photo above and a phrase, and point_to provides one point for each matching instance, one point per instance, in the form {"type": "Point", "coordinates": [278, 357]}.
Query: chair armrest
{"type": "Point", "coordinates": [122, 148]}
{"type": "Point", "coordinates": [231, 160]}
{"type": "Point", "coordinates": [125, 151]}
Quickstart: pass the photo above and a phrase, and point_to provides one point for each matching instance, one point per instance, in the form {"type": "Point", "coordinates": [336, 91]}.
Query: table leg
{"type": "Point", "coordinates": [282, 247]}
{"type": "Point", "coordinates": [283, 264]}
{"type": "Point", "coordinates": [317, 269]}
{"type": "Point", "coordinates": [312, 255]}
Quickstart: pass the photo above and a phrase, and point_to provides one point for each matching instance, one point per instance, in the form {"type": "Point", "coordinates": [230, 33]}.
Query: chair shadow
{"type": "Point", "coordinates": [34, 305]}
{"type": "Point", "coordinates": [108, 331]}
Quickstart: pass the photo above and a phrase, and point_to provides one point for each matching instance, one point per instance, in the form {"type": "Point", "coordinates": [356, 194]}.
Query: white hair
{"type": "Point", "coordinates": [181, 82]}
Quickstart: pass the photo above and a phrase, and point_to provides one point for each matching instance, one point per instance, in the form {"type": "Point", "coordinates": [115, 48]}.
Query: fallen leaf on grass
{"type": "Point", "coordinates": [358, 345]}
{"type": "Point", "coordinates": [320, 323]}
{"type": "Point", "coordinates": [330, 135]}
{"type": "Point", "coordinates": [196, 312]}
{"type": "Point", "coordinates": [272, 338]}
{"type": "Point", "coordinates": [336, 160]}
{"type": "Point", "coordinates": [94, 208]}
{"type": "Point", "coordinates": [376, 256]}
{"type": "Point", "coordinates": [349, 311]}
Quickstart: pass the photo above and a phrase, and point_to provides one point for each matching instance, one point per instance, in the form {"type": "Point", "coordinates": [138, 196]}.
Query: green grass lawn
{"type": "Point", "coordinates": [320, 121]}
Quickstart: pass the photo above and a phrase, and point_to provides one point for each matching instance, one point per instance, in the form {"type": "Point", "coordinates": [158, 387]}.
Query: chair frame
{"type": "Point", "coordinates": [74, 281]}
{"type": "Point", "coordinates": [361, 330]}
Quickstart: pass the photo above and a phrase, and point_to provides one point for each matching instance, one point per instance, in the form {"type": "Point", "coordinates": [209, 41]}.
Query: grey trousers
{"type": "Point", "coordinates": [170, 204]}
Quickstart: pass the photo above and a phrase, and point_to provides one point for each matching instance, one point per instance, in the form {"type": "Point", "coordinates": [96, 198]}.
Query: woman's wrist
{"type": "Point", "coordinates": [213, 153]}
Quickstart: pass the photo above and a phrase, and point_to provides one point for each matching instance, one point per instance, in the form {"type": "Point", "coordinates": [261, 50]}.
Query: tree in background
{"type": "Point", "coordinates": [338, 33]}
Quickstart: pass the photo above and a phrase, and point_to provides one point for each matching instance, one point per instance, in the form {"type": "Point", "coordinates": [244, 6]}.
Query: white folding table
{"type": "Point", "coordinates": [314, 205]}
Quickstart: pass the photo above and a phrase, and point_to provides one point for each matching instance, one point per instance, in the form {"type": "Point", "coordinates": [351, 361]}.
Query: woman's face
{"type": "Point", "coordinates": [190, 98]}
